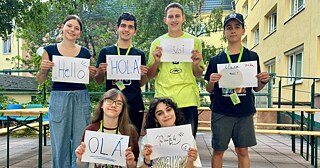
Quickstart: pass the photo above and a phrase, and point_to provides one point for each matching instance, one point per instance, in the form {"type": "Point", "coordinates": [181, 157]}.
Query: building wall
{"type": "Point", "coordinates": [16, 49]}
{"type": "Point", "coordinates": [299, 30]}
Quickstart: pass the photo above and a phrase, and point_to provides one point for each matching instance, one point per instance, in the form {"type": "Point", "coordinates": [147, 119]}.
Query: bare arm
{"type": "Point", "coordinates": [196, 58]}
{"type": "Point", "coordinates": [144, 72]}
{"type": "Point", "coordinates": [101, 71]}
{"type": "Point", "coordinates": [214, 78]}
{"type": "Point", "coordinates": [263, 79]}
{"type": "Point", "coordinates": [152, 71]}
{"type": "Point", "coordinates": [45, 66]}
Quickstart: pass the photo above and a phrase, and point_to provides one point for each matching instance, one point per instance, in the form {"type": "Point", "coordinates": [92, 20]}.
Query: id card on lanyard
{"type": "Point", "coordinates": [234, 96]}
{"type": "Point", "coordinates": [120, 84]}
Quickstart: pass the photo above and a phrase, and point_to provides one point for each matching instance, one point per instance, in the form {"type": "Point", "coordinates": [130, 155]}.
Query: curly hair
{"type": "Point", "coordinates": [151, 115]}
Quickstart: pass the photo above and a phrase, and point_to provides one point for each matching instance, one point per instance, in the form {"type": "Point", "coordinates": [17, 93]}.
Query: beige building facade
{"type": "Point", "coordinates": [9, 49]}
{"type": "Point", "coordinates": [286, 35]}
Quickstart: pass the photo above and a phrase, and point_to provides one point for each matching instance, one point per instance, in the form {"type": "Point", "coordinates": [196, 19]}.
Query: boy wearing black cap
{"type": "Point", "coordinates": [233, 109]}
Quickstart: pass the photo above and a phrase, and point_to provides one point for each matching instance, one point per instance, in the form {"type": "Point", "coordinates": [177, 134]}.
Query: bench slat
{"type": "Point", "coordinates": [35, 124]}
{"type": "Point", "coordinates": [288, 132]}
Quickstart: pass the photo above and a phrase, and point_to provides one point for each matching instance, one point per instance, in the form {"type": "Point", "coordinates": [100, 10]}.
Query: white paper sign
{"type": "Point", "coordinates": [238, 75]}
{"type": "Point", "coordinates": [105, 148]}
{"type": "Point", "coordinates": [70, 69]}
{"type": "Point", "coordinates": [170, 141]}
{"type": "Point", "coordinates": [123, 67]}
{"type": "Point", "coordinates": [177, 49]}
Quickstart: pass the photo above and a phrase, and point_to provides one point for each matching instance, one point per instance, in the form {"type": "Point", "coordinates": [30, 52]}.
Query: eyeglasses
{"type": "Point", "coordinates": [118, 103]}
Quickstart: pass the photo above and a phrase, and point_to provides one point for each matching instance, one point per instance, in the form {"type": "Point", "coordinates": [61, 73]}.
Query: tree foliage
{"type": "Point", "coordinates": [150, 15]}
{"type": "Point", "coordinates": [38, 23]}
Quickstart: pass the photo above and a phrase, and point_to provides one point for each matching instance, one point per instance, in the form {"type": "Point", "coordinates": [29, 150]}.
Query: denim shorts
{"type": "Point", "coordinates": [239, 129]}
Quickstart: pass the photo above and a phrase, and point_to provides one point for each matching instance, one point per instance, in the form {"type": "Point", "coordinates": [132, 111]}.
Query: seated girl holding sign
{"type": "Point", "coordinates": [111, 116]}
{"type": "Point", "coordinates": [163, 112]}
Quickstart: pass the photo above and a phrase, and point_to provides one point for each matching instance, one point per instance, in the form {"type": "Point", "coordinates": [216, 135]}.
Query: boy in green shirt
{"type": "Point", "coordinates": [177, 80]}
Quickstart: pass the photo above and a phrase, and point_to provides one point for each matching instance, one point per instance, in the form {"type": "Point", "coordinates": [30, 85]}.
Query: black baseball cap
{"type": "Point", "coordinates": [236, 16]}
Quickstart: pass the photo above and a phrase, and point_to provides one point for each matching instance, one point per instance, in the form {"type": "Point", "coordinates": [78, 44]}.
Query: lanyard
{"type": "Point", "coordinates": [101, 127]}
{"type": "Point", "coordinates": [118, 49]}
{"type": "Point", "coordinates": [239, 58]}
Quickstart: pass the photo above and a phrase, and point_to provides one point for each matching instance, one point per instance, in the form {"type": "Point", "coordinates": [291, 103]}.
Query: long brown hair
{"type": "Point", "coordinates": [125, 126]}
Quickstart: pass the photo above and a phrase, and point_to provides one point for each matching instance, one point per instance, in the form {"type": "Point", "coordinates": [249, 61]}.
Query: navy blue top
{"type": "Point", "coordinates": [220, 98]}
{"type": "Point", "coordinates": [132, 89]}
{"type": "Point", "coordinates": [65, 86]}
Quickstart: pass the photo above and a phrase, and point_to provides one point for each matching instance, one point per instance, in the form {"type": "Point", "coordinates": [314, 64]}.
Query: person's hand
{"type": "Point", "coordinates": [196, 57]}
{"type": "Point", "coordinates": [129, 157]}
{"type": "Point", "coordinates": [80, 150]}
{"type": "Point", "coordinates": [92, 70]}
{"type": "Point", "coordinates": [263, 77]}
{"type": "Point", "coordinates": [214, 77]}
{"type": "Point", "coordinates": [157, 53]}
{"type": "Point", "coordinates": [46, 65]}
{"type": "Point", "coordinates": [144, 70]}
{"type": "Point", "coordinates": [102, 67]}
{"type": "Point", "coordinates": [192, 154]}
{"type": "Point", "coordinates": [146, 152]}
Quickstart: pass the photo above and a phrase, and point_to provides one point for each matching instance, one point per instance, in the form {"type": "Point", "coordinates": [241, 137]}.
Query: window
{"type": "Point", "coordinates": [271, 67]}
{"type": "Point", "coordinates": [295, 65]}
{"type": "Point", "coordinates": [245, 42]}
{"type": "Point", "coordinates": [296, 6]}
{"type": "Point", "coordinates": [6, 46]}
{"type": "Point", "coordinates": [272, 22]}
{"type": "Point", "coordinates": [245, 10]}
{"type": "Point", "coordinates": [256, 35]}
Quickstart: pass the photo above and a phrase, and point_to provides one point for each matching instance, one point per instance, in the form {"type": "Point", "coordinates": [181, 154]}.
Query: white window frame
{"type": "Point", "coordinates": [245, 9]}
{"type": "Point", "coordinates": [272, 22]}
{"type": "Point", "coordinates": [256, 35]}
{"type": "Point", "coordinates": [292, 65]}
{"type": "Point", "coordinates": [271, 67]}
{"type": "Point", "coordinates": [296, 6]}
{"type": "Point", "coordinates": [6, 46]}
{"type": "Point", "coordinates": [245, 42]}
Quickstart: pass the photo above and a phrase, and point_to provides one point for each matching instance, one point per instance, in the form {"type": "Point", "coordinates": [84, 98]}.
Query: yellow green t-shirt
{"type": "Point", "coordinates": [175, 79]}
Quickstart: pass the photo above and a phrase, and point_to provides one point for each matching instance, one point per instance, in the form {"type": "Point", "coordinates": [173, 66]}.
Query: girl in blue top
{"type": "Point", "coordinates": [69, 108]}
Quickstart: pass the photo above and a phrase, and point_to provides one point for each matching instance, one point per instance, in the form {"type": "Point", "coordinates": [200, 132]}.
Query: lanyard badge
{"type": "Point", "coordinates": [119, 83]}
{"type": "Point", "coordinates": [234, 96]}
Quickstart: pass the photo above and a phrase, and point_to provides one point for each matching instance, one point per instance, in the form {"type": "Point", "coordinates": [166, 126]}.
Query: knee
{"type": "Point", "coordinates": [242, 152]}
{"type": "Point", "coordinates": [218, 153]}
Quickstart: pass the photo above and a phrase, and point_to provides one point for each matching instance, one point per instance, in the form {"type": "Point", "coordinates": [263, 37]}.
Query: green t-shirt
{"type": "Point", "coordinates": [175, 79]}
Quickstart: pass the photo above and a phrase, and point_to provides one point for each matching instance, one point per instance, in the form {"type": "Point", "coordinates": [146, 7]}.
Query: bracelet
{"type": "Point", "coordinates": [264, 82]}
{"type": "Point", "coordinates": [150, 164]}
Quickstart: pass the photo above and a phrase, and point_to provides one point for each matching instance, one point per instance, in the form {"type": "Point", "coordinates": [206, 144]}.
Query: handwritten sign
{"type": "Point", "coordinates": [105, 148]}
{"type": "Point", "coordinates": [170, 141]}
{"type": "Point", "coordinates": [123, 67]}
{"type": "Point", "coordinates": [238, 75]}
{"type": "Point", "coordinates": [70, 69]}
{"type": "Point", "coordinates": [177, 49]}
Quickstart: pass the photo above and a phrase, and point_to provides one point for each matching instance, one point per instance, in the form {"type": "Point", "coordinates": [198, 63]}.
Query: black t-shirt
{"type": "Point", "coordinates": [222, 103]}
{"type": "Point", "coordinates": [65, 86]}
{"type": "Point", "coordinates": [132, 89]}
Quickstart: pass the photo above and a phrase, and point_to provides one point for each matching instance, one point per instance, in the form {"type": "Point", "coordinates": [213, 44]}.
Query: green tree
{"type": "Point", "coordinates": [150, 15]}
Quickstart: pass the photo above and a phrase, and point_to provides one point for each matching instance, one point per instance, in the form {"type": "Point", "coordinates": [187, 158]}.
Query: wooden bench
{"type": "Point", "coordinates": [264, 124]}
{"type": "Point", "coordinates": [33, 125]}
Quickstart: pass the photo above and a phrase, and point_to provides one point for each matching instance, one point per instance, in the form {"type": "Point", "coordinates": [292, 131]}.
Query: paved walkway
{"type": "Point", "coordinates": [272, 151]}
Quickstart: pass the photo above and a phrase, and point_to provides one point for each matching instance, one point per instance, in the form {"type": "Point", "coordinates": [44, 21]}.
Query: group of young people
{"type": "Point", "coordinates": [176, 95]}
